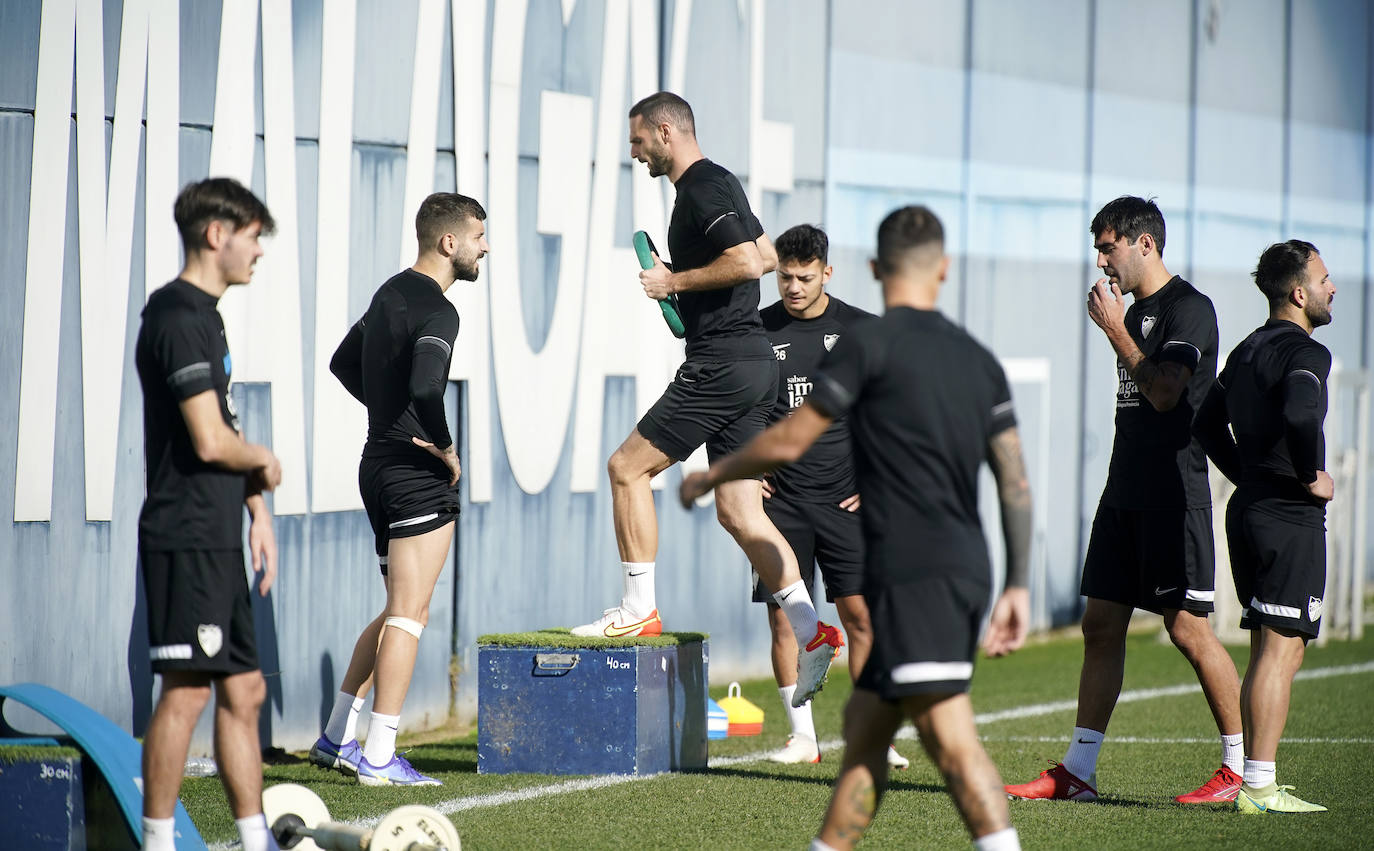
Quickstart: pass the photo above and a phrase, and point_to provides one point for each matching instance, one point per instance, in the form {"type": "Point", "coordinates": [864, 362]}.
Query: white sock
{"type": "Point", "coordinates": [1233, 752]}
{"type": "Point", "coordinates": [795, 602]}
{"type": "Point", "coordinates": [639, 587]}
{"type": "Point", "coordinates": [159, 834]}
{"type": "Point", "coordinates": [1003, 840]}
{"type": "Point", "coordinates": [1259, 774]}
{"type": "Point", "coordinates": [254, 833]}
{"type": "Point", "coordinates": [799, 718]}
{"type": "Point", "coordinates": [343, 719]}
{"type": "Point", "coordinates": [818, 845]}
{"type": "Point", "coordinates": [1081, 760]}
{"type": "Point", "coordinates": [381, 739]}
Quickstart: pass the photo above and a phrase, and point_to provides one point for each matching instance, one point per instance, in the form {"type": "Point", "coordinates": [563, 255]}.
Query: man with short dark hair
{"type": "Point", "coordinates": [1151, 543]}
{"type": "Point", "coordinates": [813, 502]}
{"type": "Point", "coordinates": [200, 475]}
{"type": "Point", "coordinates": [921, 431]}
{"type": "Point", "coordinates": [395, 360]}
{"type": "Point", "coordinates": [1272, 395]}
{"type": "Point", "coordinates": [722, 394]}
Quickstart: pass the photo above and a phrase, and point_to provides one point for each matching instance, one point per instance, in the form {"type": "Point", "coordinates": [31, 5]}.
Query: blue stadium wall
{"type": "Point", "coordinates": [1249, 121]}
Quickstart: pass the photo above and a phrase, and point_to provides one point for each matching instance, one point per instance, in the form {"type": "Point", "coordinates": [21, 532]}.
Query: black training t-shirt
{"type": "Point", "coordinates": [825, 474]}
{"type": "Point", "coordinates": [181, 351]}
{"type": "Point", "coordinates": [395, 360]}
{"type": "Point", "coordinates": [1155, 462]}
{"type": "Point", "coordinates": [1275, 386]}
{"type": "Point", "coordinates": [923, 399]}
{"type": "Point", "coordinates": [712, 214]}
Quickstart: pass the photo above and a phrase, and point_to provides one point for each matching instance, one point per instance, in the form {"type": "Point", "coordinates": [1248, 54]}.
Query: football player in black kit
{"type": "Point", "coordinates": [201, 474]}
{"type": "Point", "coordinates": [1272, 394]}
{"type": "Point", "coordinates": [1151, 542]}
{"type": "Point", "coordinates": [814, 501]}
{"type": "Point", "coordinates": [395, 360]}
{"type": "Point", "coordinates": [926, 405]}
{"type": "Point", "coordinates": [722, 394]}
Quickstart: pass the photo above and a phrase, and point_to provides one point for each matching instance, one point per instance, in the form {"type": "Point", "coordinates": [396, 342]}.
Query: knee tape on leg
{"type": "Point", "coordinates": [409, 625]}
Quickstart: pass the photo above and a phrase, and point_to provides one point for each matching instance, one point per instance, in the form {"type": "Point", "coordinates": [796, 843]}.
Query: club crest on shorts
{"type": "Point", "coordinates": [212, 639]}
{"type": "Point", "coordinates": [1146, 323]}
{"type": "Point", "coordinates": [1314, 608]}
{"type": "Point", "coordinates": [829, 341]}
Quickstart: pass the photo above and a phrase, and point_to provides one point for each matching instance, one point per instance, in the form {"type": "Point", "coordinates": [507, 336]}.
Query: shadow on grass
{"type": "Point", "coordinates": [309, 776]}
{"type": "Point", "coordinates": [1131, 803]}
{"type": "Point", "coordinates": [458, 758]}
{"type": "Point", "coordinates": [277, 756]}
{"type": "Point", "coordinates": [1112, 801]}
{"type": "Point", "coordinates": [893, 784]}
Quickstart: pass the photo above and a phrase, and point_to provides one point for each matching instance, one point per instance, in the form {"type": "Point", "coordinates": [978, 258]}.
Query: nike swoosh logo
{"type": "Point", "coordinates": [1084, 742]}
{"type": "Point", "coordinates": [819, 641]}
{"type": "Point", "coordinates": [641, 573]}
{"type": "Point", "coordinates": [613, 631]}
{"type": "Point", "coordinates": [1159, 592]}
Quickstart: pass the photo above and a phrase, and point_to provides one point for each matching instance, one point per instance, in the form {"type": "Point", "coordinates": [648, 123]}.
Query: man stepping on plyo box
{"type": "Point", "coordinates": [721, 396]}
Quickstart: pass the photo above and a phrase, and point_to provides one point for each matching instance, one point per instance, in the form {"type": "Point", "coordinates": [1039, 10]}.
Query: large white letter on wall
{"type": "Point", "coordinates": [340, 421]}
{"type": "Point", "coordinates": [472, 351]}
{"type": "Point", "coordinates": [622, 332]}
{"type": "Point", "coordinates": [262, 320]}
{"type": "Point", "coordinates": [770, 142]}
{"type": "Point", "coordinates": [470, 361]}
{"type": "Point", "coordinates": [534, 390]}
{"type": "Point", "coordinates": [105, 231]}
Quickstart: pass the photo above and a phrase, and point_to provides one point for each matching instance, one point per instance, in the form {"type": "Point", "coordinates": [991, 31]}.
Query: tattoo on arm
{"type": "Point", "coordinates": [1160, 384]}
{"type": "Point", "coordinates": [1013, 492]}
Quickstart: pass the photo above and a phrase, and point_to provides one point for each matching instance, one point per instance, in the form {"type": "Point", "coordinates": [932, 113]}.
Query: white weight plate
{"type": "Point", "coordinates": [411, 824]}
{"type": "Point", "coordinates": [293, 798]}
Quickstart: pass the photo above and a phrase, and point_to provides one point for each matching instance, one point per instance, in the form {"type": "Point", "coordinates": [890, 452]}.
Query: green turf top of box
{"type": "Point", "coordinates": [12, 754]}
{"type": "Point", "coordinates": [561, 637]}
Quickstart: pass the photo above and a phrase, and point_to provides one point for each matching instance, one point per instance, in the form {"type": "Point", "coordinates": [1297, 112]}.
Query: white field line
{"type": "Point", "coordinates": [1154, 740]}
{"type": "Point", "coordinates": [1151, 693]}
{"type": "Point", "coordinates": [496, 799]}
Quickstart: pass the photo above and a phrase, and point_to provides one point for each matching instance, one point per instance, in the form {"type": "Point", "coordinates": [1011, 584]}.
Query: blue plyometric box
{"type": "Point", "coordinates": [547, 706]}
{"type": "Point", "coordinates": [44, 806]}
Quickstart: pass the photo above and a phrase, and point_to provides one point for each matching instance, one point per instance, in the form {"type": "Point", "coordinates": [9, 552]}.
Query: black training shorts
{"type": "Point", "coordinates": [1278, 561]}
{"type": "Point", "coordinates": [1153, 560]}
{"type": "Point", "coordinates": [819, 532]}
{"type": "Point", "coordinates": [720, 403]}
{"type": "Point", "coordinates": [405, 495]}
{"type": "Point", "coordinates": [925, 633]}
{"type": "Point", "coordinates": [200, 615]}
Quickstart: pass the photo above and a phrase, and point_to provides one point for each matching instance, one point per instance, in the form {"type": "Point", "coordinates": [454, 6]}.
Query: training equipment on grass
{"type": "Point", "coordinates": [644, 249]}
{"type": "Point", "coordinates": [116, 756]}
{"type": "Point", "coordinates": [717, 722]}
{"type": "Point", "coordinates": [554, 703]}
{"type": "Point", "coordinates": [743, 717]}
{"type": "Point", "coordinates": [299, 820]}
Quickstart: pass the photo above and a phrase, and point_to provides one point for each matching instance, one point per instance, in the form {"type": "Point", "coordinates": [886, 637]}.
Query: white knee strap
{"type": "Point", "coordinates": [409, 625]}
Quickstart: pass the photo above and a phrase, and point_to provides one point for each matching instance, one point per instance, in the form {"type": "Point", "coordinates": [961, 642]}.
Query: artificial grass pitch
{"type": "Point", "coordinates": [1157, 747]}
{"type": "Point", "coordinates": [562, 637]}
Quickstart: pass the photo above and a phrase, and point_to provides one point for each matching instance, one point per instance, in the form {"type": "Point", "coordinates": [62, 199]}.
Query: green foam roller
{"type": "Point", "coordinates": [644, 249]}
